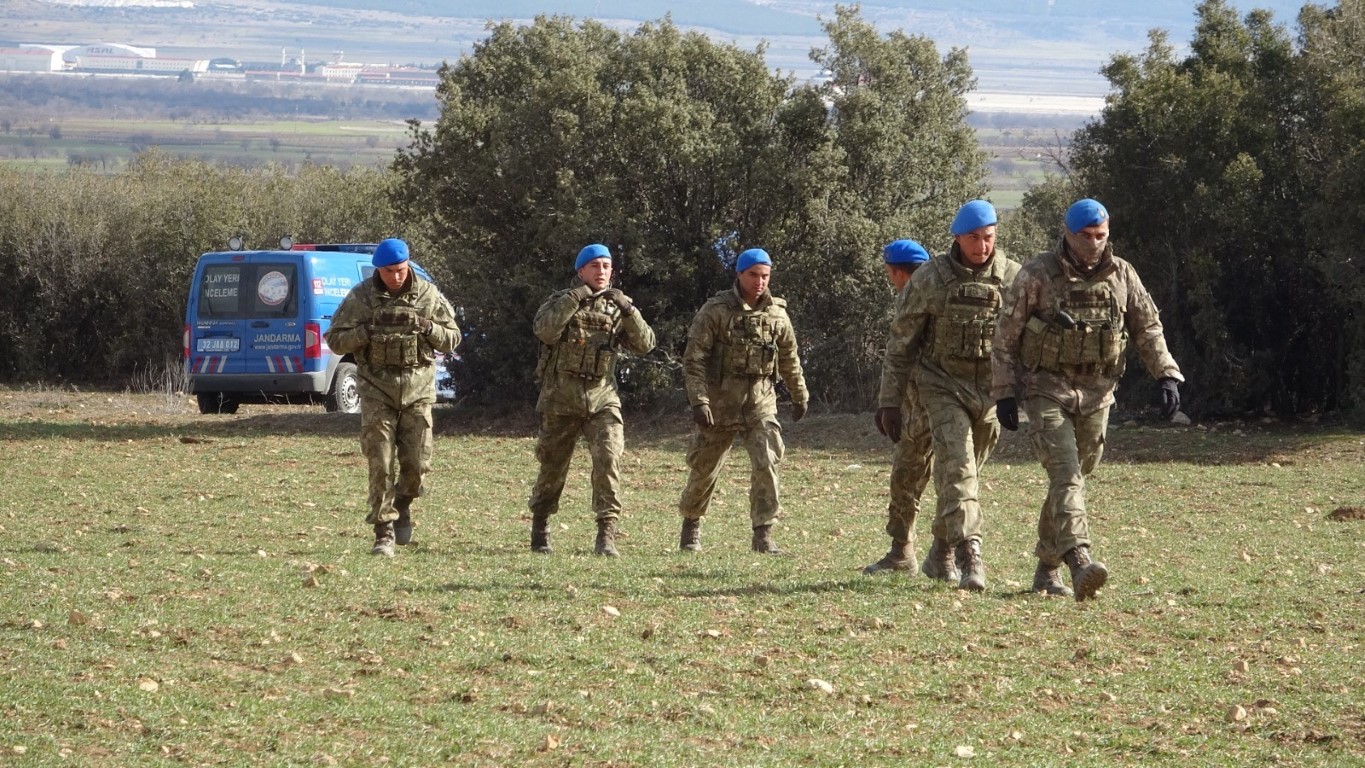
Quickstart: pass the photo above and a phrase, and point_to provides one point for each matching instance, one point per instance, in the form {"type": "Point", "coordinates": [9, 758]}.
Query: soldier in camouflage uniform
{"type": "Point", "coordinates": [907, 425]}
{"type": "Point", "coordinates": [393, 325]}
{"type": "Point", "coordinates": [1060, 346]}
{"type": "Point", "coordinates": [739, 343]}
{"type": "Point", "coordinates": [583, 330]}
{"type": "Point", "coordinates": [941, 338]}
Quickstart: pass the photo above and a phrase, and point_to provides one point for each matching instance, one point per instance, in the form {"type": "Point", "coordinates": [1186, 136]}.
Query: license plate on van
{"type": "Point", "coordinates": [219, 345]}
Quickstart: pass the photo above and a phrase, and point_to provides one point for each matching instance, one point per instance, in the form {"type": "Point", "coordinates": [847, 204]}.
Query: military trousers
{"type": "Point", "coordinates": [706, 457]}
{"type": "Point", "coordinates": [559, 433]}
{"type": "Point", "coordinates": [397, 444]}
{"type": "Point", "coordinates": [911, 468]}
{"type": "Point", "coordinates": [1069, 446]}
{"type": "Point", "coordinates": [965, 432]}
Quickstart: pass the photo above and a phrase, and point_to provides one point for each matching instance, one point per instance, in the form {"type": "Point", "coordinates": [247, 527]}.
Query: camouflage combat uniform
{"type": "Point", "coordinates": [580, 343]}
{"type": "Point", "coordinates": [735, 354]}
{"type": "Point", "coordinates": [1066, 375]}
{"type": "Point", "coordinates": [941, 339]}
{"type": "Point", "coordinates": [396, 381]}
{"type": "Point", "coordinates": [913, 457]}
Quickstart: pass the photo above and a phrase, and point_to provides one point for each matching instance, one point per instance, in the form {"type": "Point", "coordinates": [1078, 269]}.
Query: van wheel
{"type": "Point", "coordinates": [345, 394]}
{"type": "Point", "coordinates": [216, 402]}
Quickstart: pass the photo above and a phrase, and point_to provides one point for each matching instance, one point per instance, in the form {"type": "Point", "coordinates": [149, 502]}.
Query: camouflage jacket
{"type": "Point", "coordinates": [942, 331]}
{"type": "Point", "coordinates": [580, 344]}
{"type": "Point", "coordinates": [735, 355]}
{"type": "Point", "coordinates": [910, 397]}
{"type": "Point", "coordinates": [1076, 357]}
{"type": "Point", "coordinates": [380, 331]}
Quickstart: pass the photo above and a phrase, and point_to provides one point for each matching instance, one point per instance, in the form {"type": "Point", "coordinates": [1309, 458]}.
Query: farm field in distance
{"type": "Point", "coordinates": [109, 144]}
{"type": "Point", "coordinates": [199, 590]}
{"type": "Point", "coordinates": [1020, 154]}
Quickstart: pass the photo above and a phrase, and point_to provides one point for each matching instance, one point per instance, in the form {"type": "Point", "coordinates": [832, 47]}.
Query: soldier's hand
{"type": "Point", "coordinates": [621, 300]}
{"type": "Point", "coordinates": [581, 293]}
{"type": "Point", "coordinates": [701, 414]}
{"type": "Point", "coordinates": [424, 326]}
{"type": "Point", "coordinates": [1170, 397]}
{"type": "Point", "coordinates": [1007, 412]}
{"type": "Point", "coordinates": [889, 423]}
{"type": "Point", "coordinates": [799, 411]}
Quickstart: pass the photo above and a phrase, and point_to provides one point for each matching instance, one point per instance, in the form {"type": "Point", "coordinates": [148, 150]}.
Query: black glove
{"type": "Point", "coordinates": [581, 293]}
{"type": "Point", "coordinates": [621, 300]}
{"type": "Point", "coordinates": [889, 423]}
{"type": "Point", "coordinates": [1007, 412]}
{"type": "Point", "coordinates": [1170, 397]}
{"type": "Point", "coordinates": [701, 414]}
{"type": "Point", "coordinates": [798, 411]}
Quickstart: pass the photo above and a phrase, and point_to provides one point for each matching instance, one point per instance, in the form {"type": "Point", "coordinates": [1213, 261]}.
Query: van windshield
{"type": "Point", "coordinates": [247, 291]}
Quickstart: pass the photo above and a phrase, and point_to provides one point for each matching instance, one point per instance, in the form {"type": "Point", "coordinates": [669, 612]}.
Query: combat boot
{"type": "Point", "coordinates": [938, 564]}
{"type": "Point", "coordinates": [969, 564]}
{"type": "Point", "coordinates": [1048, 579]}
{"type": "Point", "coordinates": [763, 540]}
{"type": "Point", "coordinates": [606, 539]}
{"type": "Point", "coordinates": [900, 558]}
{"type": "Point", "coordinates": [383, 540]}
{"type": "Point", "coordinates": [402, 527]}
{"type": "Point", "coordinates": [690, 541]}
{"type": "Point", "coordinates": [1087, 576]}
{"type": "Point", "coordinates": [540, 534]}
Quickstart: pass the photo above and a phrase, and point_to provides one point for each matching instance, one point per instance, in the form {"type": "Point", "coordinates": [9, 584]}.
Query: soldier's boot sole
{"type": "Point", "coordinates": [1088, 580]}
{"type": "Point", "coordinates": [402, 531]}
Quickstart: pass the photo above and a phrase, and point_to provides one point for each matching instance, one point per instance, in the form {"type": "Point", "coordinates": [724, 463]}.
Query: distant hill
{"type": "Point", "coordinates": [1016, 46]}
{"type": "Point", "coordinates": [1030, 45]}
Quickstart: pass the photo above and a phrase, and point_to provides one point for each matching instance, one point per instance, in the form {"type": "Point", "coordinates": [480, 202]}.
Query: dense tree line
{"type": "Point", "coordinates": [1236, 178]}
{"type": "Point", "coordinates": [1235, 174]}
{"type": "Point", "coordinates": [678, 152]}
{"type": "Point", "coordinates": [97, 267]}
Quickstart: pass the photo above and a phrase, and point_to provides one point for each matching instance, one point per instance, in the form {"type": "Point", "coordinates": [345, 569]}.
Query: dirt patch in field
{"type": "Point", "coordinates": [1342, 514]}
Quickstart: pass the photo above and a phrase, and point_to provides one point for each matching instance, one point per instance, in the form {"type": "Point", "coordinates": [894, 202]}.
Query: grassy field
{"type": "Point", "coordinates": [182, 589]}
{"type": "Point", "coordinates": [109, 144]}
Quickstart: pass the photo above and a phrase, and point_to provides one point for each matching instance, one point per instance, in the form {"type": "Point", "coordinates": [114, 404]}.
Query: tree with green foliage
{"type": "Point", "coordinates": [1228, 173]}
{"type": "Point", "coordinates": [678, 152]}
{"type": "Point", "coordinates": [98, 266]}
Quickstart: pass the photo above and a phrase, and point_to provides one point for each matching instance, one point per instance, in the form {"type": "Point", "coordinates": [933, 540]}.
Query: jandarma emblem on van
{"type": "Point", "coordinates": [278, 338]}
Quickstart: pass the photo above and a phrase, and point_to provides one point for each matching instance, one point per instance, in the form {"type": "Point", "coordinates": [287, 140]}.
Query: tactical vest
{"type": "Point", "coordinates": [394, 342]}
{"type": "Point", "coordinates": [964, 330]}
{"type": "Point", "coordinates": [1091, 341]}
{"type": "Point", "coordinates": [586, 348]}
{"type": "Point", "coordinates": [748, 347]}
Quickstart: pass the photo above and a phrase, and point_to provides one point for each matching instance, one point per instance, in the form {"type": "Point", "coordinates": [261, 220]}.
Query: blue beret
{"type": "Point", "coordinates": [973, 216]}
{"type": "Point", "coordinates": [390, 252]}
{"type": "Point", "coordinates": [751, 257]}
{"type": "Point", "coordinates": [1085, 213]}
{"type": "Point", "coordinates": [904, 252]}
{"type": "Point", "coordinates": [591, 253]}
